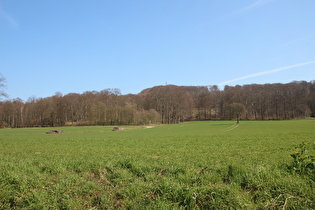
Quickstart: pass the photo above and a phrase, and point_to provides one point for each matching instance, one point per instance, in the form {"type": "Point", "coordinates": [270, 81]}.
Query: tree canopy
{"type": "Point", "coordinates": [163, 104]}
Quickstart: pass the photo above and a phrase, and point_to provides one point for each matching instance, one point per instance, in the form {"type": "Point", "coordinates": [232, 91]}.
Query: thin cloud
{"type": "Point", "coordinates": [266, 72]}
{"type": "Point", "coordinates": [254, 5]}
{"type": "Point", "coordinates": [8, 18]}
{"type": "Point", "coordinates": [295, 41]}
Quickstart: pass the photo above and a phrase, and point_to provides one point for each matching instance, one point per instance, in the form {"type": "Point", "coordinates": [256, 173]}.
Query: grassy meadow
{"type": "Point", "coordinates": [205, 165]}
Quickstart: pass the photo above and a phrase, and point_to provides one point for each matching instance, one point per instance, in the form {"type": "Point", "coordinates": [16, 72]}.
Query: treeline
{"type": "Point", "coordinates": [163, 104]}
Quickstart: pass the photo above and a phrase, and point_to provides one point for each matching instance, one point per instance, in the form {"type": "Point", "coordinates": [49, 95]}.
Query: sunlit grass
{"type": "Point", "coordinates": [211, 164]}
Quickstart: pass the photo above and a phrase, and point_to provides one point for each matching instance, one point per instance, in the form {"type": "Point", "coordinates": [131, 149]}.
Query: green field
{"type": "Point", "coordinates": [210, 164]}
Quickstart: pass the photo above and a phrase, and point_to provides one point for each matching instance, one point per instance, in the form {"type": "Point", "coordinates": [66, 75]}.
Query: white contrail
{"type": "Point", "coordinates": [266, 72]}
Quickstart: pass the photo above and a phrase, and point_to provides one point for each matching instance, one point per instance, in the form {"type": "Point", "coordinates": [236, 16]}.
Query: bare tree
{"type": "Point", "coordinates": [161, 104]}
{"type": "Point", "coordinates": [172, 102]}
{"type": "Point", "coordinates": [311, 98]}
{"type": "Point", "coordinates": [2, 86]}
{"type": "Point", "coordinates": [237, 109]}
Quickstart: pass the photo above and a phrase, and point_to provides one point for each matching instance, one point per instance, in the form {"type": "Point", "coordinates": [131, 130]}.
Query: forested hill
{"type": "Point", "coordinates": [163, 104]}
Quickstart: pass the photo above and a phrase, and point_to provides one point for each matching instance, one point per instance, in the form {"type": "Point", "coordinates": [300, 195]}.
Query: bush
{"type": "Point", "coordinates": [303, 162]}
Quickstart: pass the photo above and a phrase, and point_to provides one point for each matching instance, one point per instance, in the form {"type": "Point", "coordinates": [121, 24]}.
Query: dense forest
{"type": "Point", "coordinates": [163, 104]}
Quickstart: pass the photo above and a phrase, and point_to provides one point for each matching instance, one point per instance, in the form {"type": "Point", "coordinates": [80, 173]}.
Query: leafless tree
{"type": "Point", "coordinates": [236, 110]}
{"type": "Point", "coordinates": [162, 104]}
{"type": "Point", "coordinates": [2, 86]}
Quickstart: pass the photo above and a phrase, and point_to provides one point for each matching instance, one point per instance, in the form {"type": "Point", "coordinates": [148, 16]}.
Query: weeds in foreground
{"type": "Point", "coordinates": [303, 162]}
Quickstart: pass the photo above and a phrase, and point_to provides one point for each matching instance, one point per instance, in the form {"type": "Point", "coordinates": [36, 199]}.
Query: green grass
{"type": "Point", "coordinates": [211, 164]}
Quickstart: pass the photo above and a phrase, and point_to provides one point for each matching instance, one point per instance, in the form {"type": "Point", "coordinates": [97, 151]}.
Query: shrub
{"type": "Point", "coordinates": [303, 162]}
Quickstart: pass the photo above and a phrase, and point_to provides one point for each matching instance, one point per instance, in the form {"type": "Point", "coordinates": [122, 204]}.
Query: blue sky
{"type": "Point", "coordinates": [79, 45]}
